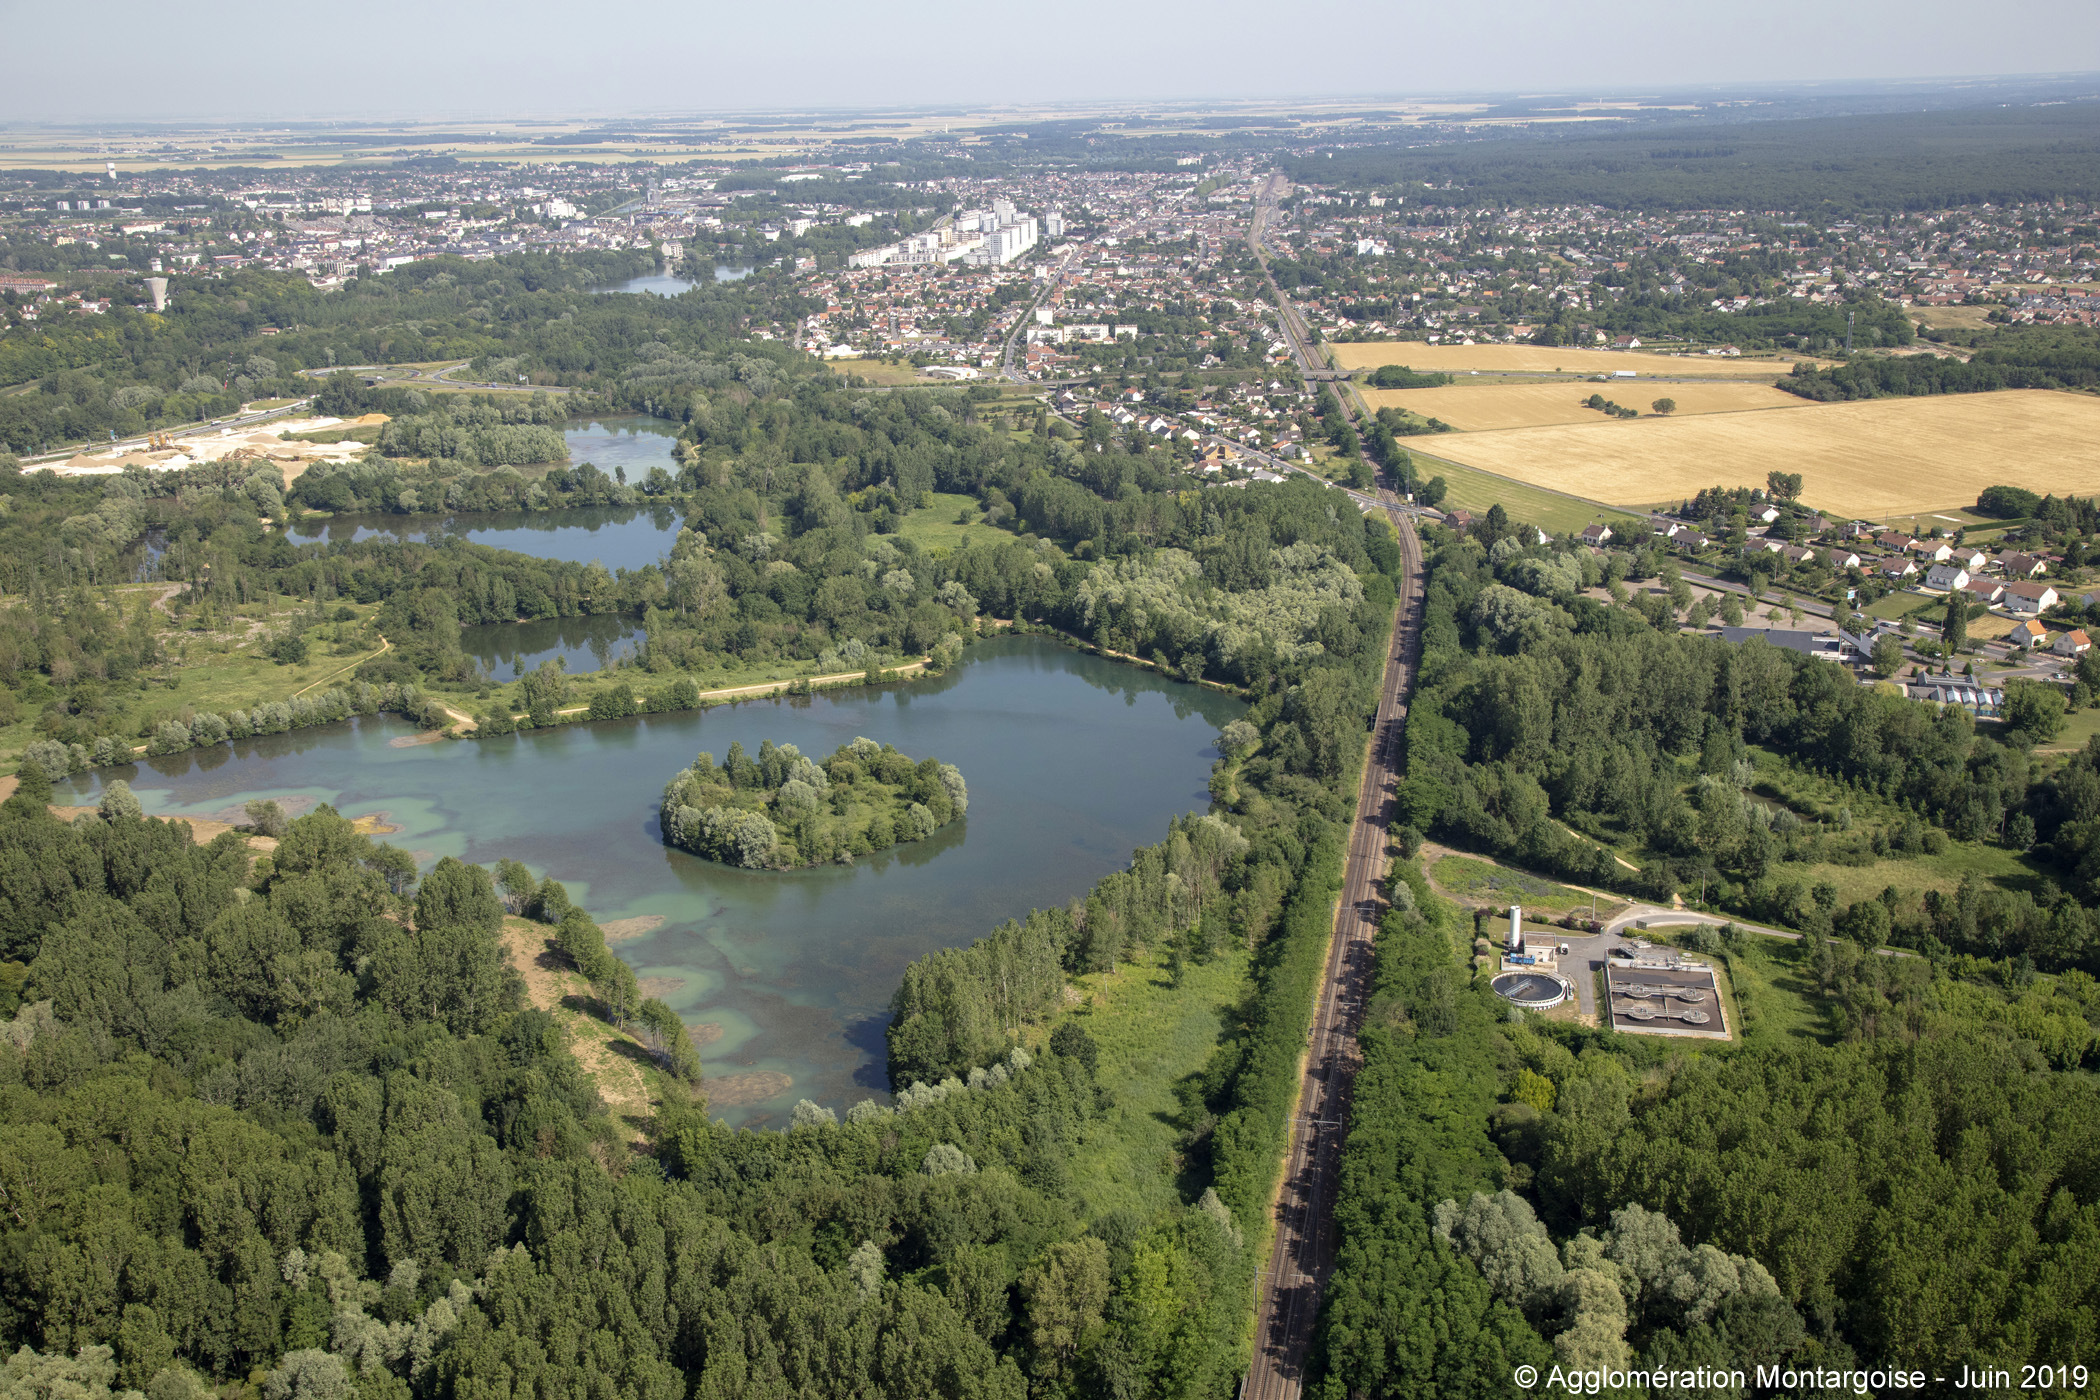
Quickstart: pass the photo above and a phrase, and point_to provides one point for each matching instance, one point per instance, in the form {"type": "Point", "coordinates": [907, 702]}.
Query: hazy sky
{"type": "Point", "coordinates": [128, 59]}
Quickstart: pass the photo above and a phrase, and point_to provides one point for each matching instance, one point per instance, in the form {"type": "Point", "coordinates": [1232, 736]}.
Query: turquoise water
{"type": "Point", "coordinates": [1072, 762]}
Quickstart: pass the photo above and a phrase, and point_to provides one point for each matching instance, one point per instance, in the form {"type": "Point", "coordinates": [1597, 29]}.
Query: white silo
{"type": "Point", "coordinates": [1516, 930]}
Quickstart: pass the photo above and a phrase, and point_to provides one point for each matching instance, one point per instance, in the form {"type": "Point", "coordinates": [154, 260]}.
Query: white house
{"type": "Point", "coordinates": [2072, 643]}
{"type": "Point", "coordinates": [1947, 577]}
{"type": "Point", "coordinates": [2029, 599]}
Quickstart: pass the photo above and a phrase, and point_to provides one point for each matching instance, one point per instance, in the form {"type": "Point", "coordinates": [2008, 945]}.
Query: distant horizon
{"type": "Point", "coordinates": [236, 60]}
{"type": "Point", "coordinates": [1949, 86]}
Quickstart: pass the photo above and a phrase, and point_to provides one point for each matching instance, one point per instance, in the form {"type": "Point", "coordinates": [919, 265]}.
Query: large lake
{"type": "Point", "coordinates": [1073, 761]}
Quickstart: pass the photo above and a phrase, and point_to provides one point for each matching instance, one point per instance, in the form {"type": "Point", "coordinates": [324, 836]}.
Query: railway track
{"type": "Point", "coordinates": [1303, 1253]}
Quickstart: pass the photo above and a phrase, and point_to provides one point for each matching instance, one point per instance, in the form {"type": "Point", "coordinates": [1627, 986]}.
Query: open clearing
{"type": "Point", "coordinates": [1875, 458]}
{"type": "Point", "coordinates": [1485, 407]}
{"type": "Point", "coordinates": [1548, 359]}
{"type": "Point", "coordinates": [1475, 490]}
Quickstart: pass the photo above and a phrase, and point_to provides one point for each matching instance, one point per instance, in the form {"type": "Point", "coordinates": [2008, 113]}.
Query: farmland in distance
{"type": "Point", "coordinates": [1489, 406]}
{"type": "Point", "coordinates": [1546, 359]}
{"type": "Point", "coordinates": [1871, 459]}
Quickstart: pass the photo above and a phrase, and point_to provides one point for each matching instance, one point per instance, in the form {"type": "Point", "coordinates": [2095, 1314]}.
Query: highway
{"type": "Point", "coordinates": [1303, 1252]}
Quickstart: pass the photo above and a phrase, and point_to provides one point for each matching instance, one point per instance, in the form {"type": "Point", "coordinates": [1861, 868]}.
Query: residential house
{"type": "Point", "coordinates": [2029, 634]}
{"type": "Point", "coordinates": [2022, 565]}
{"type": "Point", "coordinates": [2072, 643]}
{"type": "Point", "coordinates": [1766, 514]}
{"type": "Point", "coordinates": [1762, 546]}
{"type": "Point", "coordinates": [1690, 541]}
{"type": "Point", "coordinates": [1856, 530]}
{"type": "Point", "coordinates": [2027, 599]}
{"type": "Point", "coordinates": [1932, 551]}
{"type": "Point", "coordinates": [1460, 520]}
{"type": "Point", "coordinates": [1839, 557]}
{"type": "Point", "coordinates": [1947, 577]}
{"type": "Point", "coordinates": [1597, 533]}
{"type": "Point", "coordinates": [1895, 567]}
{"type": "Point", "coordinates": [1984, 590]}
{"type": "Point", "coordinates": [1895, 541]}
{"type": "Point", "coordinates": [1797, 554]}
{"type": "Point", "coordinates": [1969, 557]}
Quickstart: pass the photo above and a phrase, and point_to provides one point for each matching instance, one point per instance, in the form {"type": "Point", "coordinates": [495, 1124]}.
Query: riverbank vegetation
{"type": "Point", "coordinates": [781, 810]}
{"type": "Point", "coordinates": [793, 561]}
{"type": "Point", "coordinates": [455, 1199]}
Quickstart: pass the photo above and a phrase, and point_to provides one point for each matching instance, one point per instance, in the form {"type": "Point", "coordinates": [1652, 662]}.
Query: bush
{"type": "Point", "coordinates": [2007, 502]}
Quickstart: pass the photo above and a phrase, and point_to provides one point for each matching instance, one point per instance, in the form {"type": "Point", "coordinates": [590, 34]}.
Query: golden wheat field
{"type": "Point", "coordinates": [1483, 407]}
{"type": "Point", "coordinates": [1546, 359]}
{"type": "Point", "coordinates": [1871, 459]}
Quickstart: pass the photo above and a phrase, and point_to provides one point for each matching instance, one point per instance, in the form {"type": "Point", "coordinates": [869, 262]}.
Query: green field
{"type": "Point", "coordinates": [934, 528]}
{"type": "Point", "coordinates": [1775, 996]}
{"type": "Point", "coordinates": [1469, 878]}
{"type": "Point", "coordinates": [1476, 490]}
{"type": "Point", "coordinates": [1896, 606]}
{"type": "Point", "coordinates": [2077, 730]}
{"type": "Point", "coordinates": [1152, 1036]}
{"type": "Point", "coordinates": [219, 672]}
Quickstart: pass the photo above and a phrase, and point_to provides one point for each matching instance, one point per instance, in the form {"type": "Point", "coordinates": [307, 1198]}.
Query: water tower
{"type": "Point", "coordinates": [159, 287]}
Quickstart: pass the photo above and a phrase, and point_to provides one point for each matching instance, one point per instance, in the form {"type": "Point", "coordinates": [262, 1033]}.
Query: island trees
{"type": "Point", "coordinates": [782, 810]}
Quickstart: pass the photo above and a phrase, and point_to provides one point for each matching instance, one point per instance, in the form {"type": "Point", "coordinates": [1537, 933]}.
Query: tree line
{"type": "Point", "coordinates": [1535, 1192]}
{"type": "Point", "coordinates": [1549, 728]}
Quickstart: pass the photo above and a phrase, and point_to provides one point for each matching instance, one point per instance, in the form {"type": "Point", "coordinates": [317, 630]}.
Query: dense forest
{"type": "Point", "coordinates": [1550, 729]}
{"type": "Point", "coordinates": [791, 492]}
{"type": "Point", "coordinates": [1912, 1187]}
{"type": "Point", "coordinates": [410, 1186]}
{"type": "Point", "coordinates": [528, 316]}
{"type": "Point", "coordinates": [1907, 1181]}
{"type": "Point", "coordinates": [782, 809]}
{"type": "Point", "coordinates": [1893, 162]}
